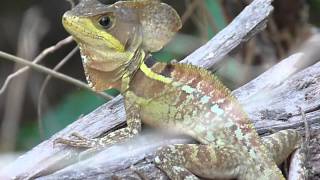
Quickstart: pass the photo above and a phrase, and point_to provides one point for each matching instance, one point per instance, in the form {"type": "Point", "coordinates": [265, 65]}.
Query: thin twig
{"type": "Point", "coordinates": [190, 9]}
{"type": "Point", "coordinates": [57, 75]}
{"type": "Point", "coordinates": [39, 58]}
{"type": "Point", "coordinates": [275, 36]}
{"type": "Point", "coordinates": [305, 147]}
{"type": "Point", "coordinates": [200, 21]}
{"type": "Point", "coordinates": [43, 87]}
{"type": "Point", "coordinates": [306, 125]}
{"type": "Point", "coordinates": [29, 38]}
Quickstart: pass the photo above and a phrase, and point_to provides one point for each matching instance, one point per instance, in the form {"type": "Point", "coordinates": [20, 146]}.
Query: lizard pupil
{"type": "Point", "coordinates": [105, 22]}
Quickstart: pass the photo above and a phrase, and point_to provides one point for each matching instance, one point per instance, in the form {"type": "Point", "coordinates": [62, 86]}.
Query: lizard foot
{"type": "Point", "coordinates": [94, 145]}
{"type": "Point", "coordinates": [172, 161]}
{"type": "Point", "coordinates": [78, 141]}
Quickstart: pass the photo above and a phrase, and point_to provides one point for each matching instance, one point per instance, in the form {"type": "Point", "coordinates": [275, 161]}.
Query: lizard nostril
{"type": "Point", "coordinates": [66, 16]}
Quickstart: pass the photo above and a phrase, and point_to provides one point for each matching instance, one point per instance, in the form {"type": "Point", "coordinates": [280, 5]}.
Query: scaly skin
{"type": "Point", "coordinates": [115, 42]}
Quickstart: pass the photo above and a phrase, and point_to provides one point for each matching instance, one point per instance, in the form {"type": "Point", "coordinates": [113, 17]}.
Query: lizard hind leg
{"type": "Point", "coordinates": [172, 161]}
{"type": "Point", "coordinates": [190, 161]}
{"type": "Point", "coordinates": [281, 144]}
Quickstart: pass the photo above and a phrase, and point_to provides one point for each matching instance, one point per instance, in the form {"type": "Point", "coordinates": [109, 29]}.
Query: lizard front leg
{"type": "Point", "coordinates": [133, 128]}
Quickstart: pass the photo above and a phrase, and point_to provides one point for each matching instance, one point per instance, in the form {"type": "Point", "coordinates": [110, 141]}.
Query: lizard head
{"type": "Point", "coordinates": [114, 39]}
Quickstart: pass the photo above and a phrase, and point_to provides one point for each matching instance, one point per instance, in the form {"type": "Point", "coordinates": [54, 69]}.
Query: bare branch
{"type": "Point", "coordinates": [190, 9]}
{"type": "Point", "coordinates": [43, 87]}
{"type": "Point", "coordinates": [38, 59]}
{"type": "Point", "coordinates": [52, 73]}
{"type": "Point", "coordinates": [249, 22]}
{"type": "Point", "coordinates": [28, 46]}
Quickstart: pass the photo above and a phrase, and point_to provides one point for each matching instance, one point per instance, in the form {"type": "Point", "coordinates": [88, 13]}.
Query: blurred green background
{"type": "Point", "coordinates": [63, 103]}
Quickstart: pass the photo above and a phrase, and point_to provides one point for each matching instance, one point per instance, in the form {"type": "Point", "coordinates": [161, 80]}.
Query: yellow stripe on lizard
{"type": "Point", "coordinates": [148, 72]}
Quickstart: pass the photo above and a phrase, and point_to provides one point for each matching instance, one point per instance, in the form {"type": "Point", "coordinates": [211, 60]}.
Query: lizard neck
{"type": "Point", "coordinates": [148, 81]}
{"type": "Point", "coordinates": [131, 69]}
{"type": "Point", "coordinates": [103, 75]}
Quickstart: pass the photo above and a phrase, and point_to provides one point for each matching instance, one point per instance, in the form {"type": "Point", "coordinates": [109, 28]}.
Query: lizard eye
{"type": "Point", "coordinates": [105, 22]}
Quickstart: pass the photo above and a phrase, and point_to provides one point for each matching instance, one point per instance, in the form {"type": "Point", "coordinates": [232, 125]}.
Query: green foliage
{"type": "Point", "coordinates": [216, 12]}
{"type": "Point", "coordinates": [28, 136]}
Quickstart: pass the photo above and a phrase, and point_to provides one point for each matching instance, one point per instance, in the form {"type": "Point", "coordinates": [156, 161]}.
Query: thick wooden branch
{"type": "Point", "coordinates": [273, 99]}
{"type": "Point", "coordinates": [250, 21]}
{"type": "Point", "coordinates": [45, 159]}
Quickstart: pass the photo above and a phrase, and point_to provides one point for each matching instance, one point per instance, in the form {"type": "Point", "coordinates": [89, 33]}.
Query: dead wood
{"type": "Point", "coordinates": [276, 108]}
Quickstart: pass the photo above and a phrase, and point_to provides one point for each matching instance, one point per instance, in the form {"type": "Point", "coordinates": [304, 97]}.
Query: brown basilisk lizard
{"type": "Point", "coordinates": [115, 43]}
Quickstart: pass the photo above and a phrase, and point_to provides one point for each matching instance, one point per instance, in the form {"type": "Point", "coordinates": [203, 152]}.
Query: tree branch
{"type": "Point", "coordinates": [43, 88]}
{"type": "Point", "coordinates": [46, 159]}
{"type": "Point", "coordinates": [249, 22]}
{"type": "Point", "coordinates": [51, 72]}
{"type": "Point", "coordinates": [38, 59]}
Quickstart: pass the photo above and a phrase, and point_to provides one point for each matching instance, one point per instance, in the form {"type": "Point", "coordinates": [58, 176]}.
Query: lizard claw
{"type": "Point", "coordinates": [79, 141]}
{"type": "Point", "coordinates": [78, 136]}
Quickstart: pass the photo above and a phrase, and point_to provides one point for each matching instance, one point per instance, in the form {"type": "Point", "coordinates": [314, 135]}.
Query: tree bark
{"type": "Point", "coordinates": [270, 103]}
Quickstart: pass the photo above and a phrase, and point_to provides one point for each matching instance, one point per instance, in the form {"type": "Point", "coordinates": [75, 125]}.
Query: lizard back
{"type": "Point", "coordinates": [191, 96]}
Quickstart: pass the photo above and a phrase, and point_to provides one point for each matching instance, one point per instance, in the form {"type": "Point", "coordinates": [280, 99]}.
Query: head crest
{"type": "Point", "coordinates": [159, 22]}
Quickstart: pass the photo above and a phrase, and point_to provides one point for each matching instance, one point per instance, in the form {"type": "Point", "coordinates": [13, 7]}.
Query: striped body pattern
{"type": "Point", "coordinates": [116, 41]}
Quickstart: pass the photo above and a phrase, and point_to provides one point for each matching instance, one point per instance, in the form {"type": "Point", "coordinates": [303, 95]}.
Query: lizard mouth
{"type": "Point", "coordinates": [84, 31]}
{"type": "Point", "coordinates": [78, 32]}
